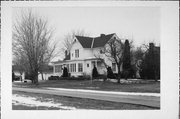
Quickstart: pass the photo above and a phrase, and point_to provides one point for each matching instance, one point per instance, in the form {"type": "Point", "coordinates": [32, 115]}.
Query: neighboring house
{"type": "Point", "coordinates": [84, 55]}
{"type": "Point", "coordinates": [47, 72]}
{"type": "Point", "coordinates": [18, 71]}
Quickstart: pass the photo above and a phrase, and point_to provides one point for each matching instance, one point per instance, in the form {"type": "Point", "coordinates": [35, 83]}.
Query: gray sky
{"type": "Point", "coordinates": [140, 23]}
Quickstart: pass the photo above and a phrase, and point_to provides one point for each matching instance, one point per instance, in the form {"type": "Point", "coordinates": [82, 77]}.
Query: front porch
{"type": "Point", "coordinates": [79, 67]}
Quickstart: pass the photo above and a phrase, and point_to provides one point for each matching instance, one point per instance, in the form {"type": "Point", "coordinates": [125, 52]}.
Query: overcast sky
{"type": "Point", "coordinates": [142, 24]}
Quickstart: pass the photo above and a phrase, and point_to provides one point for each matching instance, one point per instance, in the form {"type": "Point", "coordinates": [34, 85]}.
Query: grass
{"type": "Point", "coordinates": [78, 103]}
{"type": "Point", "coordinates": [144, 87]}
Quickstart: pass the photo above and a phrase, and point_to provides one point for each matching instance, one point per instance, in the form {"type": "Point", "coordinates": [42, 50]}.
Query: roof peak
{"type": "Point", "coordinates": [101, 35]}
{"type": "Point", "coordinates": [94, 42]}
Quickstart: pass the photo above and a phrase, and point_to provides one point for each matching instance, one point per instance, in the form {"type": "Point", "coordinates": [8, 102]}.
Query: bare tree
{"type": "Point", "coordinates": [32, 42]}
{"type": "Point", "coordinates": [114, 51]}
{"type": "Point", "coordinates": [100, 57]}
{"type": "Point", "coordinates": [69, 38]}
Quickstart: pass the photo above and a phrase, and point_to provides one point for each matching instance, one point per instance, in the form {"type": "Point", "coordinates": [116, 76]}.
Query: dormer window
{"type": "Point", "coordinates": [77, 53]}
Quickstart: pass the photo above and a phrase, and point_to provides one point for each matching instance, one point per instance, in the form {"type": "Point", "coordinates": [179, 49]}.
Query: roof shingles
{"type": "Point", "coordinates": [100, 41]}
{"type": "Point", "coordinates": [85, 41]}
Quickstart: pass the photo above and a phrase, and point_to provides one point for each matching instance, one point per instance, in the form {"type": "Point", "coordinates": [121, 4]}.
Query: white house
{"type": "Point", "coordinates": [83, 56]}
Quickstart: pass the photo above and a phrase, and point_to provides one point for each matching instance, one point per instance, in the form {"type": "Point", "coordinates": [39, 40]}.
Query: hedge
{"type": "Point", "coordinates": [69, 78]}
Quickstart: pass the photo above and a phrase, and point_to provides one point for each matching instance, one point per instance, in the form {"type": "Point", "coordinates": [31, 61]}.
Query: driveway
{"type": "Point", "coordinates": [147, 99]}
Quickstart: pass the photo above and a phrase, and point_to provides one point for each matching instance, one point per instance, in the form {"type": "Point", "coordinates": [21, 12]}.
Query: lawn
{"type": "Point", "coordinates": [143, 86]}
{"type": "Point", "coordinates": [67, 103]}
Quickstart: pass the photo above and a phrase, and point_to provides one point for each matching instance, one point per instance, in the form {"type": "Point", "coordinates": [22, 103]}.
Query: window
{"type": "Point", "coordinates": [80, 67]}
{"type": "Point", "coordinates": [114, 66]}
{"type": "Point", "coordinates": [76, 53]}
{"type": "Point", "coordinates": [58, 68]}
{"type": "Point", "coordinates": [87, 65]}
{"type": "Point", "coordinates": [72, 67]}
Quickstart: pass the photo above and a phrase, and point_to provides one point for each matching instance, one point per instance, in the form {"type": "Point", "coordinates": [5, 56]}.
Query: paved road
{"type": "Point", "coordinates": [133, 98]}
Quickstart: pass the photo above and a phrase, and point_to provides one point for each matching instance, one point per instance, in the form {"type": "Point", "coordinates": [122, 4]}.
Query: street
{"type": "Point", "coordinates": [147, 99]}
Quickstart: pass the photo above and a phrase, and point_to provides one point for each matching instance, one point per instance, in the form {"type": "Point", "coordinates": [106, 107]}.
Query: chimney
{"type": "Point", "coordinates": [151, 45]}
{"type": "Point", "coordinates": [102, 35]}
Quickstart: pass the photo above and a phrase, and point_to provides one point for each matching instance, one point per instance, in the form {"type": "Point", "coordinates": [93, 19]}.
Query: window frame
{"type": "Point", "coordinates": [76, 53]}
{"type": "Point", "coordinates": [73, 67]}
{"type": "Point", "coordinates": [80, 67]}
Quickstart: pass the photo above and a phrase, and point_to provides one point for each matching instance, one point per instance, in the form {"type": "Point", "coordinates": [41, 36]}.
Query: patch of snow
{"type": "Point", "coordinates": [93, 87]}
{"type": "Point", "coordinates": [33, 102]}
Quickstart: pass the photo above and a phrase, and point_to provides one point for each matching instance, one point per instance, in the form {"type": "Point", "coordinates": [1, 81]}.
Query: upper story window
{"type": "Point", "coordinates": [76, 53]}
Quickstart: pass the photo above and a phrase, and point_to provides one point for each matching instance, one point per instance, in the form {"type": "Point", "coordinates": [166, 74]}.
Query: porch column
{"type": "Point", "coordinates": [96, 63]}
{"type": "Point", "coordinates": [54, 69]}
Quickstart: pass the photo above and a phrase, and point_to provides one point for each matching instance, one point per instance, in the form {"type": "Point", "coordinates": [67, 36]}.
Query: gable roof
{"type": "Point", "coordinates": [102, 40]}
{"type": "Point", "coordinates": [85, 41]}
{"type": "Point", "coordinates": [89, 42]}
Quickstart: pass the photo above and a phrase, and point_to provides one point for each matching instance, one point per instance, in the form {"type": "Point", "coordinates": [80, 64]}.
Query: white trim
{"type": "Point", "coordinates": [73, 44]}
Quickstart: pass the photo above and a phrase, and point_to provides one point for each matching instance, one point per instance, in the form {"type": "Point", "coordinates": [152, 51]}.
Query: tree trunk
{"type": "Point", "coordinates": [42, 76]}
{"type": "Point", "coordinates": [21, 76]}
{"type": "Point", "coordinates": [119, 75]}
{"type": "Point", "coordinates": [34, 77]}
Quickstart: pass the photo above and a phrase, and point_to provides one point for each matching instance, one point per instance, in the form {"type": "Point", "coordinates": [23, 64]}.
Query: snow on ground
{"type": "Point", "coordinates": [33, 102]}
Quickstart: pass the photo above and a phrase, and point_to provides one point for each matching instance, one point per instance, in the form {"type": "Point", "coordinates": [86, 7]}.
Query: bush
{"type": "Point", "coordinates": [69, 78]}
{"type": "Point", "coordinates": [53, 78]}
{"type": "Point", "coordinates": [110, 73]}
{"type": "Point", "coordinates": [101, 76]}
{"type": "Point", "coordinates": [75, 78]}
{"type": "Point", "coordinates": [65, 72]}
{"type": "Point", "coordinates": [95, 72]}
{"type": "Point", "coordinates": [116, 75]}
